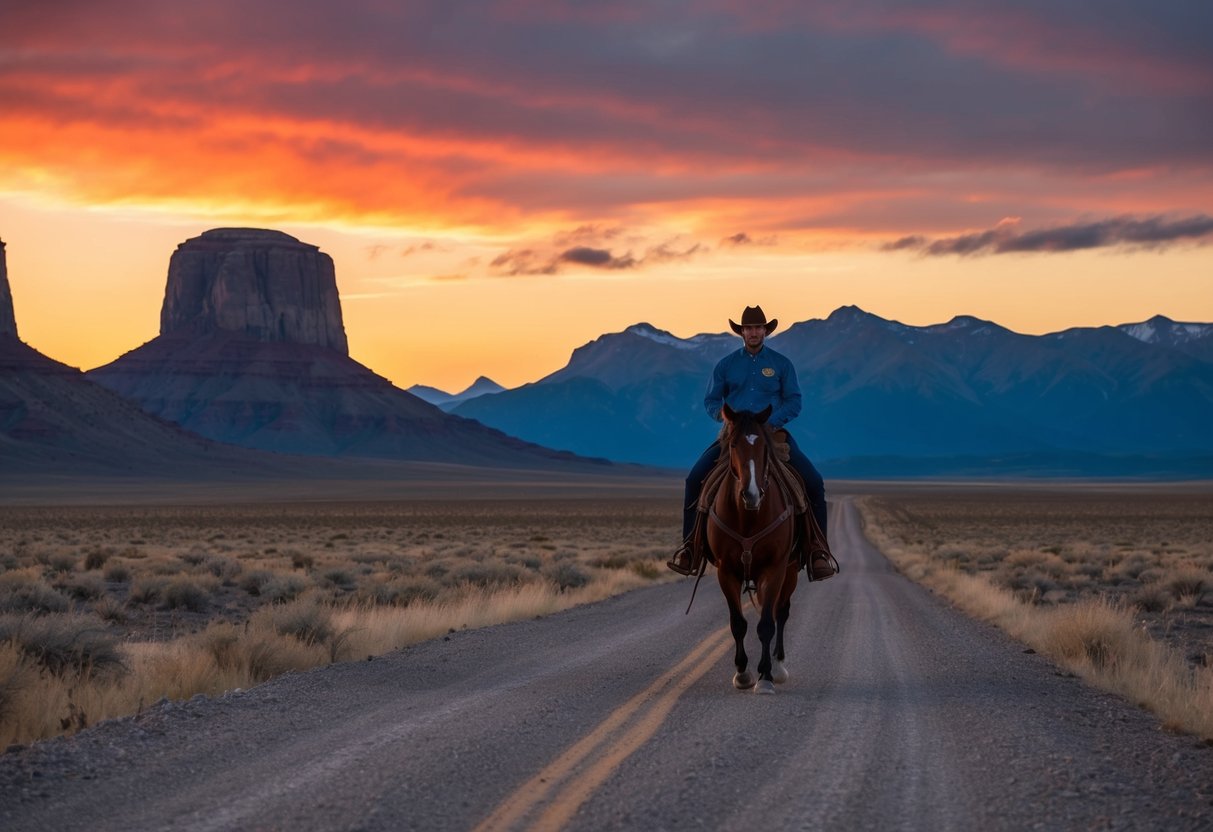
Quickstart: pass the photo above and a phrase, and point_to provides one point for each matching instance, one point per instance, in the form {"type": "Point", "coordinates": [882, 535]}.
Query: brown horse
{"type": "Point", "coordinates": [751, 532]}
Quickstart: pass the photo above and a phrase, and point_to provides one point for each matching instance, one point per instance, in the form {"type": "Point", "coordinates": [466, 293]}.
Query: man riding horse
{"type": "Point", "coordinates": [751, 379]}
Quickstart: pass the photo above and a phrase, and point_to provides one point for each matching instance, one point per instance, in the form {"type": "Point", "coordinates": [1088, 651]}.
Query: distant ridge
{"type": "Point", "coordinates": [882, 396]}
{"type": "Point", "coordinates": [482, 386]}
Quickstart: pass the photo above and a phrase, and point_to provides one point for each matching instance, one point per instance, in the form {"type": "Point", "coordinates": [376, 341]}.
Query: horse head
{"type": "Point", "coordinates": [747, 436]}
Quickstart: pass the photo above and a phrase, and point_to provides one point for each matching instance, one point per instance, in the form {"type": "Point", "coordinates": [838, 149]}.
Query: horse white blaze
{"type": "Point", "coordinates": [751, 487]}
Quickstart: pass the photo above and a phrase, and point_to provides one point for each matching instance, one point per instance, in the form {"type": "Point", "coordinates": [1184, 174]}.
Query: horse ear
{"type": "Point", "coordinates": [729, 414]}
{"type": "Point", "coordinates": [764, 414]}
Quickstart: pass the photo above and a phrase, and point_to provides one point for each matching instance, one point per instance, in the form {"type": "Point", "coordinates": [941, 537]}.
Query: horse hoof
{"type": "Point", "coordinates": [764, 686]}
{"type": "Point", "coordinates": [743, 681]}
{"type": "Point", "coordinates": [779, 673]}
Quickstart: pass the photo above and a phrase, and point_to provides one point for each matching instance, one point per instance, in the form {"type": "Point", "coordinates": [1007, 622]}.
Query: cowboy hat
{"type": "Point", "coordinates": [754, 316]}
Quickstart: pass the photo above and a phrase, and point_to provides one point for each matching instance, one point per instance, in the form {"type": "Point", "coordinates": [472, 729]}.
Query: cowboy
{"type": "Point", "coordinates": [750, 379]}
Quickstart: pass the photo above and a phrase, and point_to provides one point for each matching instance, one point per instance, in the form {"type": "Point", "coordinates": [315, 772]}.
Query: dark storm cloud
{"type": "Point", "coordinates": [597, 258]}
{"type": "Point", "coordinates": [1150, 232]}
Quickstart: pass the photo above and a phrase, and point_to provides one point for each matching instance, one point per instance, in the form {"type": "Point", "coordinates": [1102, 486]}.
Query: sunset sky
{"type": "Point", "coordinates": [499, 182]}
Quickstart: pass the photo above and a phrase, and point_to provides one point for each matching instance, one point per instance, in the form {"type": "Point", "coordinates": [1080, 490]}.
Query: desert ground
{"type": "Point", "coordinates": [1148, 550]}
{"type": "Point", "coordinates": [107, 608]}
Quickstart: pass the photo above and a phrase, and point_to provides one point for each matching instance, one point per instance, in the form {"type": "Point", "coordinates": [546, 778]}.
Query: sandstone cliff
{"type": "Point", "coordinates": [8, 321]}
{"type": "Point", "coordinates": [264, 284]}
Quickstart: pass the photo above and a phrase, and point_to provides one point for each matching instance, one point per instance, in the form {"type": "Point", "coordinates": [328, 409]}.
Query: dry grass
{"type": "Point", "coordinates": [1119, 589]}
{"type": "Point", "coordinates": [105, 611]}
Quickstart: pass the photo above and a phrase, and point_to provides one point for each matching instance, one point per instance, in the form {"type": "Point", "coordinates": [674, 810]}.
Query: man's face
{"type": "Point", "coordinates": [753, 336]}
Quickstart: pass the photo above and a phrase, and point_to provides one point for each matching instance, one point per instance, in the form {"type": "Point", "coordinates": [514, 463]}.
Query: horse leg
{"type": "Point", "coordinates": [742, 679]}
{"type": "Point", "coordinates": [779, 670]}
{"type": "Point", "coordinates": [770, 595]}
{"type": "Point", "coordinates": [766, 631]}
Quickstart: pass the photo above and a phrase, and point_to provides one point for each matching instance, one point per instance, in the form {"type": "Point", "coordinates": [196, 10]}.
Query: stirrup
{"type": "Point", "coordinates": [827, 565]}
{"type": "Point", "coordinates": [683, 561]}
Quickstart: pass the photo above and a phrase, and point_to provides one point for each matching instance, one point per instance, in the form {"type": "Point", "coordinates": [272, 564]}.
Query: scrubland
{"type": "Point", "coordinates": [104, 611]}
{"type": "Point", "coordinates": [1115, 585]}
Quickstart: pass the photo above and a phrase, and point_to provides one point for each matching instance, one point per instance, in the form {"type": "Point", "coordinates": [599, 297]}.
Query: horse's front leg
{"type": "Point", "coordinates": [766, 632]}
{"type": "Point", "coordinates": [779, 670]}
{"type": "Point", "coordinates": [731, 586]}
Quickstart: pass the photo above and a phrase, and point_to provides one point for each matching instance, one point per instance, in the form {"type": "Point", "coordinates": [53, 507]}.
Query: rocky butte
{"type": "Point", "coordinates": [264, 284]}
{"type": "Point", "coordinates": [8, 321]}
{"type": "Point", "coordinates": [252, 351]}
{"type": "Point", "coordinates": [54, 421]}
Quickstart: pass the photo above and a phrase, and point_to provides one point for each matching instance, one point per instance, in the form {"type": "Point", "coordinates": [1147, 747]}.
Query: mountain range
{"type": "Point", "coordinates": [884, 398]}
{"type": "Point", "coordinates": [480, 387]}
{"type": "Point", "coordinates": [252, 365]}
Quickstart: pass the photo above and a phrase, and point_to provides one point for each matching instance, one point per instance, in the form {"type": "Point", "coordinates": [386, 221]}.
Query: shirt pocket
{"type": "Point", "coordinates": [768, 380]}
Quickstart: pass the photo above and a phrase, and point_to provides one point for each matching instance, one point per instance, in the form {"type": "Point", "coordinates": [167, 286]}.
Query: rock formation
{"type": "Point", "coordinates": [8, 321]}
{"type": "Point", "coordinates": [55, 422]}
{"type": "Point", "coordinates": [261, 283]}
{"type": "Point", "coordinates": [252, 352]}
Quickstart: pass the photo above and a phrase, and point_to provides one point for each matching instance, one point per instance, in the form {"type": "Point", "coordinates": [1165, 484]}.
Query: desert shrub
{"type": "Point", "coordinates": [15, 676]}
{"type": "Point", "coordinates": [194, 556]}
{"type": "Point", "coordinates": [118, 573]}
{"type": "Point", "coordinates": [254, 582]}
{"type": "Point", "coordinates": [531, 562]}
{"type": "Point", "coordinates": [1152, 598]}
{"type": "Point", "coordinates": [23, 593]}
{"type": "Point", "coordinates": [269, 655]}
{"type": "Point", "coordinates": [952, 553]}
{"type": "Point", "coordinates": [60, 562]}
{"type": "Point", "coordinates": [222, 567]}
{"type": "Point", "coordinates": [1026, 558]}
{"type": "Point", "coordinates": [1133, 565]}
{"type": "Point", "coordinates": [166, 567]}
{"type": "Point", "coordinates": [1029, 586]}
{"type": "Point", "coordinates": [307, 621]}
{"type": "Point", "coordinates": [63, 643]}
{"type": "Point", "coordinates": [183, 592]}
{"type": "Point", "coordinates": [648, 569]}
{"type": "Point", "coordinates": [399, 592]}
{"type": "Point", "coordinates": [84, 587]}
{"type": "Point", "coordinates": [1090, 569]}
{"type": "Point", "coordinates": [1187, 581]}
{"type": "Point", "coordinates": [96, 558]}
{"type": "Point", "coordinates": [339, 578]}
{"type": "Point", "coordinates": [284, 588]}
{"type": "Point", "coordinates": [1151, 575]}
{"type": "Point", "coordinates": [1097, 630]}
{"type": "Point", "coordinates": [222, 642]}
{"type": "Point", "coordinates": [258, 653]}
{"type": "Point", "coordinates": [146, 590]}
{"type": "Point", "coordinates": [108, 609]}
{"type": "Point", "coordinates": [566, 574]}
{"type": "Point", "coordinates": [487, 573]}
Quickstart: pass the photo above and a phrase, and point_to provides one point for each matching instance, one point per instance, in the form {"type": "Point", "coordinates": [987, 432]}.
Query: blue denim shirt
{"type": "Point", "coordinates": [751, 382]}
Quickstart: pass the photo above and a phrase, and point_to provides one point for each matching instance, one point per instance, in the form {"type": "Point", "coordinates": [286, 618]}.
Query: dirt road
{"type": "Point", "coordinates": [900, 714]}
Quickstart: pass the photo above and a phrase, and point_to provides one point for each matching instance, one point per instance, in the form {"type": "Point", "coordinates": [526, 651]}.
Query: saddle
{"type": "Point", "coordinates": [809, 543]}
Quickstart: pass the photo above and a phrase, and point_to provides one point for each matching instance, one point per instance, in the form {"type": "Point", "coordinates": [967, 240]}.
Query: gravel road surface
{"type": "Point", "coordinates": [900, 714]}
